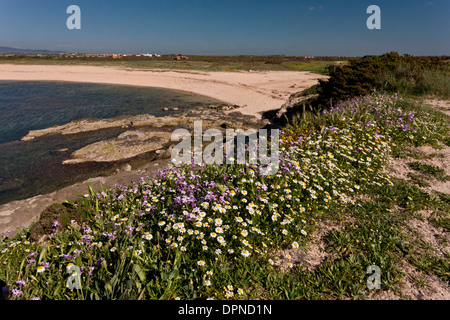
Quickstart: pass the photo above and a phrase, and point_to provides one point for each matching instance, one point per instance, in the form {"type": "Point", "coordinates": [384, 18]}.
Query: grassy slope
{"type": "Point", "coordinates": [339, 236]}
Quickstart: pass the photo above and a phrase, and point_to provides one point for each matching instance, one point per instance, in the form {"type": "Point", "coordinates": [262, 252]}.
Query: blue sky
{"type": "Point", "coordinates": [229, 27]}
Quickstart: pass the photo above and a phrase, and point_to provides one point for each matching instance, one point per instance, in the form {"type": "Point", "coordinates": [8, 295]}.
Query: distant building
{"type": "Point", "coordinates": [180, 57]}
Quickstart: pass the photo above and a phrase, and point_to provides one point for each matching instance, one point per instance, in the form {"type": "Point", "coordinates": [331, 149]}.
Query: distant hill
{"type": "Point", "coordinates": [9, 50]}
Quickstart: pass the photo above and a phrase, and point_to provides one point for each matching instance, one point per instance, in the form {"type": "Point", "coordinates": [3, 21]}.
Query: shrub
{"type": "Point", "coordinates": [389, 72]}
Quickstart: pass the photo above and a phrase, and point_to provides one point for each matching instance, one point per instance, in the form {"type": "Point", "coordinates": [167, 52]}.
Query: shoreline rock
{"type": "Point", "coordinates": [90, 124]}
{"type": "Point", "coordinates": [127, 145]}
{"type": "Point", "coordinates": [145, 133]}
{"type": "Point", "coordinates": [123, 121]}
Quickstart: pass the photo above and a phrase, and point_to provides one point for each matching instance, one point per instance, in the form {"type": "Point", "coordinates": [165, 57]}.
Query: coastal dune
{"type": "Point", "coordinates": [254, 91]}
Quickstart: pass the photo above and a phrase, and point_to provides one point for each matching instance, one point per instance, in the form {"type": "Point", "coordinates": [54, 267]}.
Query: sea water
{"type": "Point", "coordinates": [29, 168]}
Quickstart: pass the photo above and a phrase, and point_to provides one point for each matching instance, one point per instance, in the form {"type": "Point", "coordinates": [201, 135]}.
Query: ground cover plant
{"type": "Point", "coordinates": [227, 232]}
{"type": "Point", "coordinates": [428, 169]}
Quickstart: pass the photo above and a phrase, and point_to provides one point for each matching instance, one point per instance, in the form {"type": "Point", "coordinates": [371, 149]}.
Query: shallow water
{"type": "Point", "coordinates": [29, 168]}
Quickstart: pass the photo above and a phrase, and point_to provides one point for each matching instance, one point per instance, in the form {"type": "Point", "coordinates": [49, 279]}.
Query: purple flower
{"type": "Point", "coordinates": [56, 224]}
{"type": "Point", "coordinates": [67, 256]}
{"type": "Point", "coordinates": [86, 238]}
{"type": "Point", "coordinates": [21, 282]}
{"type": "Point", "coordinates": [99, 261]}
{"type": "Point", "coordinates": [111, 236]}
{"type": "Point", "coordinates": [77, 253]}
{"type": "Point", "coordinates": [90, 270]}
{"type": "Point", "coordinates": [190, 216]}
{"type": "Point", "coordinates": [129, 230]}
{"type": "Point", "coordinates": [87, 229]}
{"type": "Point", "coordinates": [36, 298]}
{"type": "Point", "coordinates": [16, 292]}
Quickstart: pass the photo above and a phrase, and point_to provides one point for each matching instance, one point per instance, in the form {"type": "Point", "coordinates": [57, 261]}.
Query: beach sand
{"type": "Point", "coordinates": [254, 91]}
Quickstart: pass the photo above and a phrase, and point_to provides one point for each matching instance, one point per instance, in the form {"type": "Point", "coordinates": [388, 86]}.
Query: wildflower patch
{"type": "Point", "coordinates": [202, 230]}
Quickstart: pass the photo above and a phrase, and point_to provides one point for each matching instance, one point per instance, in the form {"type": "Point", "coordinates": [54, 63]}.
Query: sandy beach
{"type": "Point", "coordinates": [254, 91]}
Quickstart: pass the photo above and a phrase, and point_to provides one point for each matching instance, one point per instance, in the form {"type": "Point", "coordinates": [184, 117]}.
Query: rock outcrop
{"type": "Point", "coordinates": [146, 133]}
{"type": "Point", "coordinates": [127, 145]}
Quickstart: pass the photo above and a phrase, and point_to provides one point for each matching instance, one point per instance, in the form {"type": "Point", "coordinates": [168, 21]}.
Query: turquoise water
{"type": "Point", "coordinates": [29, 168]}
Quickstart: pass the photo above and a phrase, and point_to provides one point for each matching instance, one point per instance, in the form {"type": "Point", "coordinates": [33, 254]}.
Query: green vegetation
{"type": "Point", "coordinates": [202, 63]}
{"type": "Point", "coordinates": [429, 170]}
{"type": "Point", "coordinates": [418, 179]}
{"type": "Point", "coordinates": [390, 73]}
{"type": "Point", "coordinates": [228, 232]}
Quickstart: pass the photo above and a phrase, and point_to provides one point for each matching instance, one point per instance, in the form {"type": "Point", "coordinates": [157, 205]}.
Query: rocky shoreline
{"type": "Point", "coordinates": [143, 134]}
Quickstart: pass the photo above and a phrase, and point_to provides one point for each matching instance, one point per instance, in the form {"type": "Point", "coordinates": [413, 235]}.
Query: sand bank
{"type": "Point", "coordinates": [254, 91]}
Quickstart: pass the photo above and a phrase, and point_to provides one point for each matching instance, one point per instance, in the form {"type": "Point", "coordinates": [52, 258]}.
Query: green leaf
{"type": "Point", "coordinates": [92, 290]}
{"type": "Point", "coordinates": [169, 200]}
{"type": "Point", "coordinates": [108, 287]}
{"type": "Point", "coordinates": [139, 272]}
{"type": "Point", "coordinates": [42, 255]}
{"type": "Point", "coordinates": [21, 265]}
{"type": "Point", "coordinates": [33, 277]}
{"type": "Point", "coordinates": [70, 203]}
{"type": "Point", "coordinates": [129, 284]}
{"type": "Point", "coordinates": [55, 293]}
{"type": "Point", "coordinates": [93, 294]}
{"type": "Point", "coordinates": [91, 191]}
{"type": "Point", "coordinates": [78, 261]}
{"type": "Point", "coordinates": [114, 279]}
